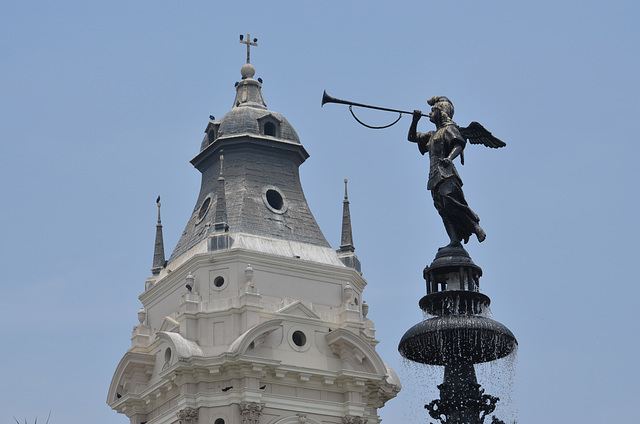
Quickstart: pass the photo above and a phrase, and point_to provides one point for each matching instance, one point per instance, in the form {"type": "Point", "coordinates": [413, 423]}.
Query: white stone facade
{"type": "Point", "coordinates": [259, 339]}
{"type": "Point", "coordinates": [254, 319]}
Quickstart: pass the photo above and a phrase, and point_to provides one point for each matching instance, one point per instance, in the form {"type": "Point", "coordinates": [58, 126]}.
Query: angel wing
{"type": "Point", "coordinates": [477, 134]}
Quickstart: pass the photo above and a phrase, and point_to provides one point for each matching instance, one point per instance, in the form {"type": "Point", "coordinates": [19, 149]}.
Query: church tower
{"type": "Point", "coordinates": [254, 318]}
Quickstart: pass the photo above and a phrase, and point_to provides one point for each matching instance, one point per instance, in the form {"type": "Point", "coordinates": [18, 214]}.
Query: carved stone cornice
{"type": "Point", "coordinates": [353, 419]}
{"type": "Point", "coordinates": [188, 415]}
{"type": "Point", "coordinates": [251, 412]}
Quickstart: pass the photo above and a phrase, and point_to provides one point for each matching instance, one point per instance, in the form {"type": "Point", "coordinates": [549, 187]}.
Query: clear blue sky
{"type": "Point", "coordinates": [102, 104]}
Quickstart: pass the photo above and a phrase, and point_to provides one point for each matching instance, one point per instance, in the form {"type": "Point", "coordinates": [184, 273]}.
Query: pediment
{"type": "Point", "coordinates": [182, 347]}
{"type": "Point", "coordinates": [269, 117]}
{"type": "Point", "coordinates": [298, 309]}
{"type": "Point", "coordinates": [170, 325]}
{"type": "Point", "coordinates": [355, 352]}
{"type": "Point", "coordinates": [254, 336]}
{"type": "Point", "coordinates": [132, 375]}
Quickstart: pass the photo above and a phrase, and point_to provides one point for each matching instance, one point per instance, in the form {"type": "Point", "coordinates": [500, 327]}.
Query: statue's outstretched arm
{"type": "Point", "coordinates": [417, 137]}
{"type": "Point", "coordinates": [413, 129]}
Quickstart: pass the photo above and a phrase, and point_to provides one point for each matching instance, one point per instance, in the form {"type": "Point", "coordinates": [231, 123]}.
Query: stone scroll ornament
{"type": "Point", "coordinates": [251, 412]}
{"type": "Point", "coordinates": [353, 419]}
{"type": "Point", "coordinates": [444, 145]}
{"type": "Point", "coordinates": [187, 416]}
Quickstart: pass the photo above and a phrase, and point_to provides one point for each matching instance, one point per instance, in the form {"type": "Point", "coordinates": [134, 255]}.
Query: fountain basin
{"type": "Point", "coordinates": [455, 302]}
{"type": "Point", "coordinates": [451, 339]}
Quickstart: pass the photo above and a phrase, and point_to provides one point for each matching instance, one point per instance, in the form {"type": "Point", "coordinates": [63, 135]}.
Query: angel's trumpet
{"type": "Point", "coordinates": [328, 99]}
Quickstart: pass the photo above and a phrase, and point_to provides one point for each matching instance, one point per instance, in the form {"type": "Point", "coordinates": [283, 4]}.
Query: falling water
{"type": "Point", "coordinates": [497, 378]}
{"type": "Point", "coordinates": [419, 383]}
{"type": "Point", "coordinates": [419, 387]}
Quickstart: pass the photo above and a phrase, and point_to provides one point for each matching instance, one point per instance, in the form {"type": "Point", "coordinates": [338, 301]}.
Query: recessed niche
{"type": "Point", "coordinates": [219, 421]}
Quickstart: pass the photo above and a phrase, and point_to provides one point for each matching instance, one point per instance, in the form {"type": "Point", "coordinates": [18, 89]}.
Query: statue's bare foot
{"type": "Point", "coordinates": [480, 234]}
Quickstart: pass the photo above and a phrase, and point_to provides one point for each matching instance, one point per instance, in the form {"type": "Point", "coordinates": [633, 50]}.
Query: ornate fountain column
{"type": "Point", "coordinates": [457, 337]}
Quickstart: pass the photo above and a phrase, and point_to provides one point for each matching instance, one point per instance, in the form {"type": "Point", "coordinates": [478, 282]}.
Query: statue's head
{"type": "Point", "coordinates": [441, 105]}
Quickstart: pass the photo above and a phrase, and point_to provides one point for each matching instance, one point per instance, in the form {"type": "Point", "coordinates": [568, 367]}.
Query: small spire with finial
{"type": "Point", "coordinates": [220, 220]}
{"type": "Point", "coordinates": [158, 251]}
{"type": "Point", "coordinates": [346, 251]}
{"type": "Point", "coordinates": [347, 236]}
{"type": "Point", "coordinates": [248, 90]}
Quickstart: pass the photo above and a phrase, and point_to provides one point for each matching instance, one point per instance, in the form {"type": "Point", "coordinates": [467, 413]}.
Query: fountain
{"type": "Point", "coordinates": [457, 337]}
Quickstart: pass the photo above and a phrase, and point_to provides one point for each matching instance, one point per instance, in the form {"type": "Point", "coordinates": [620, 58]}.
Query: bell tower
{"type": "Point", "coordinates": [254, 318]}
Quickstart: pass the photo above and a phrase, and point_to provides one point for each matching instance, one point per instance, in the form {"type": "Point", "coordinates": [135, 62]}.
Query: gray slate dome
{"type": "Point", "coordinates": [250, 116]}
{"type": "Point", "coordinates": [250, 193]}
{"type": "Point", "coordinates": [251, 120]}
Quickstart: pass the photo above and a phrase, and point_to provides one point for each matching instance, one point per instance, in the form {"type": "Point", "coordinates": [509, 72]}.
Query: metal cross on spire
{"type": "Point", "coordinates": [249, 44]}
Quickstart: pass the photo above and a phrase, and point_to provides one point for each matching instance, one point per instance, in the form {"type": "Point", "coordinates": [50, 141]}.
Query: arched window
{"type": "Point", "coordinates": [270, 129]}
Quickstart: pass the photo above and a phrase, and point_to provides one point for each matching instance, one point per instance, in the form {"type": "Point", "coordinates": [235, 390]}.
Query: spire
{"type": "Point", "coordinates": [345, 253]}
{"type": "Point", "coordinates": [158, 251]}
{"type": "Point", "coordinates": [249, 90]}
{"type": "Point", "coordinates": [220, 238]}
{"type": "Point", "coordinates": [220, 220]}
{"type": "Point", "coordinates": [346, 244]}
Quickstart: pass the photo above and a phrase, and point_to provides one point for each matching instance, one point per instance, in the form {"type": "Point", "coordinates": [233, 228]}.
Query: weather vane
{"type": "Point", "coordinates": [249, 44]}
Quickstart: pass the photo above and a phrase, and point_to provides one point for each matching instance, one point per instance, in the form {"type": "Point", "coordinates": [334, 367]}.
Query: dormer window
{"type": "Point", "coordinates": [270, 129]}
{"type": "Point", "coordinates": [211, 134]}
{"type": "Point", "coordinates": [269, 126]}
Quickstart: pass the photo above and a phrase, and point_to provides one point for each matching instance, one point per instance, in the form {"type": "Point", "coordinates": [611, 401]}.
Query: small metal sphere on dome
{"type": "Point", "coordinates": [247, 71]}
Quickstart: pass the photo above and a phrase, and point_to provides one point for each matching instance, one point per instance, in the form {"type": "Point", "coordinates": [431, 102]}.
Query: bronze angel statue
{"type": "Point", "coordinates": [445, 144]}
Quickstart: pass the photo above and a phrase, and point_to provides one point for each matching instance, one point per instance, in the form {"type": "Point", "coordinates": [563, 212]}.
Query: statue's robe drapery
{"type": "Point", "coordinates": [445, 183]}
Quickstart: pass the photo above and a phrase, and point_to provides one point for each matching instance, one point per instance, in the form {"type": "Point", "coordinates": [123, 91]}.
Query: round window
{"type": "Point", "coordinates": [299, 339]}
{"type": "Point", "coordinates": [274, 200]}
{"type": "Point", "coordinates": [218, 282]}
{"type": "Point", "coordinates": [203, 209]}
